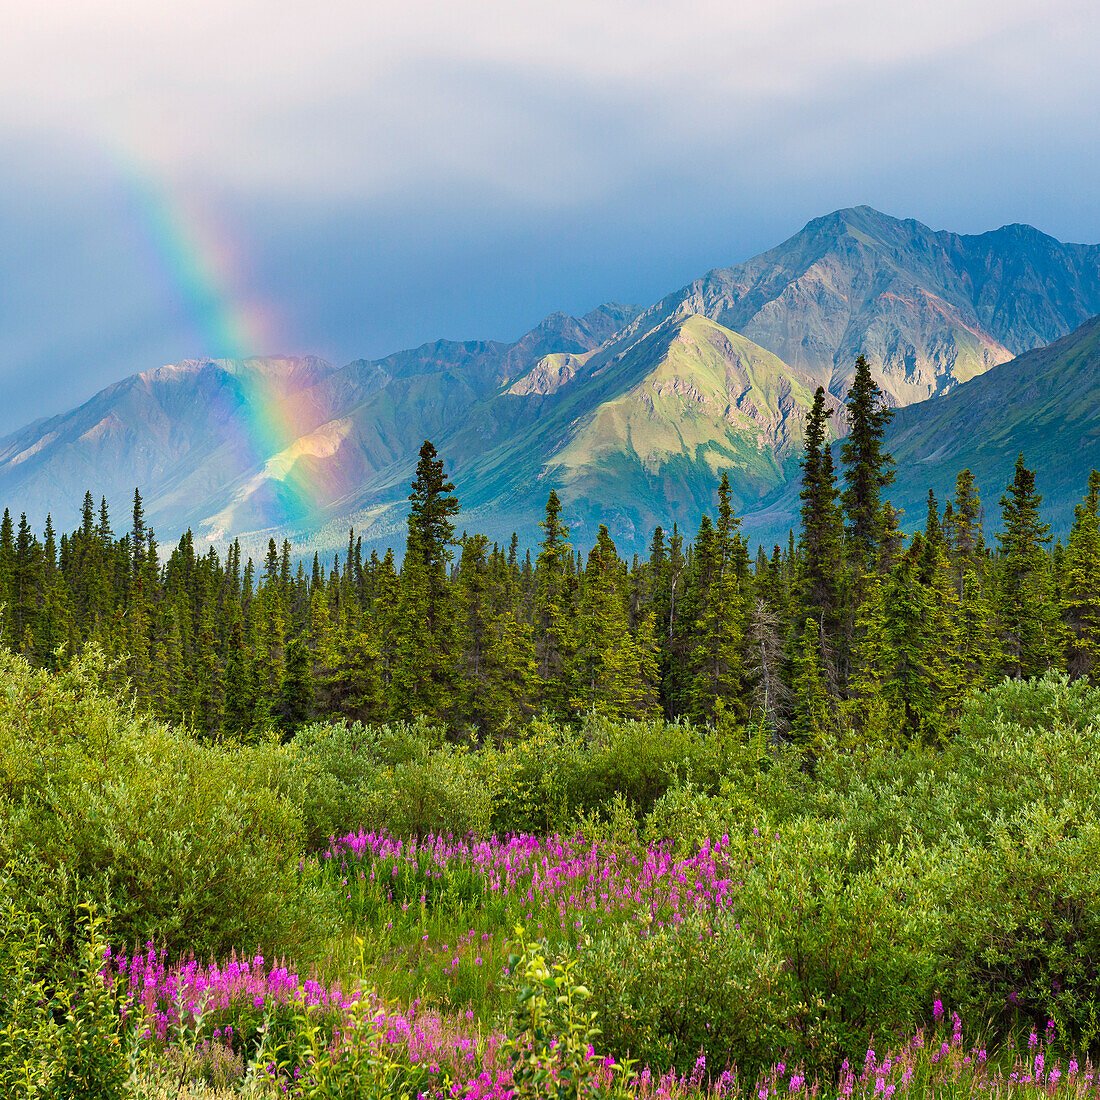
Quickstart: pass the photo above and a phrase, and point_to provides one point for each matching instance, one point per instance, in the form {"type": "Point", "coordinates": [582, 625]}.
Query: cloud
{"type": "Point", "coordinates": [548, 103]}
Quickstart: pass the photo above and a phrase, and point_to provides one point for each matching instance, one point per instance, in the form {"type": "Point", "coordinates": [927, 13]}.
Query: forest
{"type": "Point", "coordinates": [490, 823]}
{"type": "Point", "coordinates": [852, 629]}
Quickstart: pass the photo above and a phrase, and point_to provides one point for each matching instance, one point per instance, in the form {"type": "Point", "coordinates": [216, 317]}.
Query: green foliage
{"type": "Point", "coordinates": [359, 1064]}
{"type": "Point", "coordinates": [90, 1057]}
{"type": "Point", "coordinates": [64, 1040]}
{"type": "Point", "coordinates": [1032, 632]}
{"type": "Point", "coordinates": [400, 776]}
{"type": "Point", "coordinates": [330, 773]}
{"type": "Point", "coordinates": [1081, 585]}
{"type": "Point", "coordinates": [867, 468]}
{"type": "Point", "coordinates": [436, 792]}
{"type": "Point", "coordinates": [177, 840]}
{"type": "Point", "coordinates": [25, 1024]}
{"type": "Point", "coordinates": [551, 1034]}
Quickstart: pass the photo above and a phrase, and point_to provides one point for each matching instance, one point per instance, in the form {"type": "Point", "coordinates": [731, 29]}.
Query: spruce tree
{"type": "Point", "coordinates": [810, 705]}
{"type": "Point", "coordinates": [1031, 629]}
{"type": "Point", "coordinates": [241, 709]}
{"type": "Point", "coordinates": [349, 678]}
{"type": "Point", "coordinates": [1081, 585]}
{"type": "Point", "coordinates": [867, 469]}
{"type": "Point", "coordinates": [916, 633]}
{"type": "Point", "coordinates": [7, 578]}
{"type": "Point", "coordinates": [26, 584]}
{"type": "Point", "coordinates": [293, 705]}
{"type": "Point", "coordinates": [553, 607]}
{"type": "Point", "coordinates": [821, 540]}
{"type": "Point", "coordinates": [978, 650]}
{"type": "Point", "coordinates": [611, 674]}
{"type": "Point", "coordinates": [967, 542]}
{"type": "Point", "coordinates": [425, 643]}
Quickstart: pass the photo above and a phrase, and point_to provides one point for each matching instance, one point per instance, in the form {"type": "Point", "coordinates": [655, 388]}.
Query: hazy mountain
{"type": "Point", "coordinates": [236, 446]}
{"type": "Point", "coordinates": [631, 414]}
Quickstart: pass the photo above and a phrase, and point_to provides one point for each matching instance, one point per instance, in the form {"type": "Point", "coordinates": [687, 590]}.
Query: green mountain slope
{"type": "Point", "coordinates": [640, 440]}
{"type": "Point", "coordinates": [1045, 403]}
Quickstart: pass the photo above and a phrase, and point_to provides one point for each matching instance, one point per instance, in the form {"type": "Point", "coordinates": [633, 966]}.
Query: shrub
{"type": "Point", "coordinates": [331, 770]}
{"type": "Point", "coordinates": [549, 1041]}
{"type": "Point", "coordinates": [24, 1019]}
{"type": "Point", "coordinates": [89, 1057]}
{"type": "Point", "coordinates": [177, 841]}
{"type": "Point", "coordinates": [671, 994]}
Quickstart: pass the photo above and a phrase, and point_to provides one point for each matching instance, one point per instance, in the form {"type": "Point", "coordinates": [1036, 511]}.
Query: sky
{"type": "Point", "coordinates": [345, 179]}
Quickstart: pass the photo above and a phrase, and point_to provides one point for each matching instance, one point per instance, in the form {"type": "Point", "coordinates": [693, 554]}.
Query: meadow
{"type": "Point", "coordinates": [641, 909]}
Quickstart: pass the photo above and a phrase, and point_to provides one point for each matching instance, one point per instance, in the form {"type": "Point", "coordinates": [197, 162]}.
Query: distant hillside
{"type": "Point", "coordinates": [630, 413]}
{"type": "Point", "coordinates": [1046, 404]}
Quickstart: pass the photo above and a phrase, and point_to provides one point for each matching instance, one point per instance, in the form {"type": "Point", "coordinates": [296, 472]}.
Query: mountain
{"type": "Point", "coordinates": [630, 413]}
{"type": "Point", "coordinates": [929, 309]}
{"type": "Point", "coordinates": [247, 446]}
{"type": "Point", "coordinates": [1045, 403]}
{"type": "Point", "coordinates": [642, 438]}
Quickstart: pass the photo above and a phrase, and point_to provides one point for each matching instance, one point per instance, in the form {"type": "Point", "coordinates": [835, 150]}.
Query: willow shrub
{"type": "Point", "coordinates": [177, 841]}
{"type": "Point", "coordinates": [887, 880]}
{"type": "Point", "coordinates": [808, 964]}
{"type": "Point", "coordinates": [1010, 807]}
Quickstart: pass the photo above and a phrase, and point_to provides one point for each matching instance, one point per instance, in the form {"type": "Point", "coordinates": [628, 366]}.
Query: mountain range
{"type": "Point", "coordinates": [630, 413]}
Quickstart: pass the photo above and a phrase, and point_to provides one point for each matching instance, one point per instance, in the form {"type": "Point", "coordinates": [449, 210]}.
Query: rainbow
{"type": "Point", "coordinates": [199, 262]}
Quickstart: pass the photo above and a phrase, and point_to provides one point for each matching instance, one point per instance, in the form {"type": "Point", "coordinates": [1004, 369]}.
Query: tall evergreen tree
{"type": "Point", "coordinates": [293, 705]}
{"type": "Point", "coordinates": [967, 541]}
{"type": "Point", "coordinates": [612, 675]}
{"type": "Point", "coordinates": [821, 537]}
{"type": "Point", "coordinates": [867, 469]}
{"type": "Point", "coordinates": [242, 705]}
{"type": "Point", "coordinates": [1081, 585]}
{"type": "Point", "coordinates": [810, 704]}
{"type": "Point", "coordinates": [424, 670]}
{"type": "Point", "coordinates": [553, 607]}
{"type": "Point", "coordinates": [1031, 634]}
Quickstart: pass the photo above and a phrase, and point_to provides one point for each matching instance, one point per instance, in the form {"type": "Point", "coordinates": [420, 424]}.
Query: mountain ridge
{"type": "Point", "coordinates": [629, 412]}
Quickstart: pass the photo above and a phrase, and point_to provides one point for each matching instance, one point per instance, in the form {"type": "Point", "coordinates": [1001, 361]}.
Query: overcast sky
{"type": "Point", "coordinates": [347, 178]}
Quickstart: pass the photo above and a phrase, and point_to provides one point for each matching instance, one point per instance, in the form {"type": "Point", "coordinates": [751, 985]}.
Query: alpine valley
{"type": "Point", "coordinates": [988, 343]}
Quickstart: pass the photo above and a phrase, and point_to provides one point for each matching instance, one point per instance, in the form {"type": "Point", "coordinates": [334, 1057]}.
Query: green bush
{"type": "Point", "coordinates": [550, 1037]}
{"type": "Point", "coordinates": [64, 1040]}
{"type": "Point", "coordinates": [702, 987]}
{"type": "Point", "coordinates": [331, 770]}
{"type": "Point", "coordinates": [401, 777]}
{"type": "Point", "coordinates": [437, 792]}
{"type": "Point", "coordinates": [532, 779]}
{"type": "Point", "coordinates": [1024, 928]}
{"type": "Point", "coordinates": [25, 1035]}
{"type": "Point", "coordinates": [90, 1051]}
{"type": "Point", "coordinates": [808, 965]}
{"type": "Point", "coordinates": [177, 841]}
